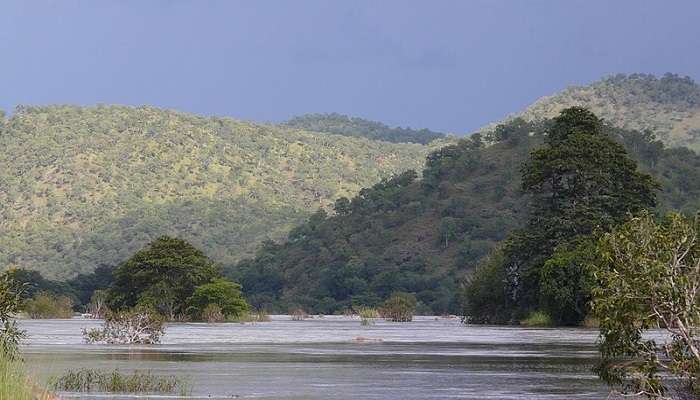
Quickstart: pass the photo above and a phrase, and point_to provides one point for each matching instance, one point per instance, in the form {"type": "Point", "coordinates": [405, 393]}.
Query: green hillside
{"type": "Point", "coordinates": [669, 106]}
{"type": "Point", "coordinates": [81, 187]}
{"type": "Point", "coordinates": [422, 236]}
{"type": "Point", "coordinates": [359, 127]}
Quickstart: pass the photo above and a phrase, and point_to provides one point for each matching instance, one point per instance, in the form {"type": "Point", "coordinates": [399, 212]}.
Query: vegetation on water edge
{"type": "Point", "coordinates": [15, 383]}
{"type": "Point", "coordinates": [94, 380]}
{"type": "Point", "coordinates": [47, 305]}
{"type": "Point", "coordinates": [537, 319]}
{"type": "Point", "coordinates": [139, 325]}
{"type": "Point", "coordinates": [647, 278]}
{"type": "Point", "coordinates": [399, 307]}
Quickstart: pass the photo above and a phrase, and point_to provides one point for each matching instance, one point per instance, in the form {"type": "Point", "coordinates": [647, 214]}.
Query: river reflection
{"type": "Point", "coordinates": [337, 358]}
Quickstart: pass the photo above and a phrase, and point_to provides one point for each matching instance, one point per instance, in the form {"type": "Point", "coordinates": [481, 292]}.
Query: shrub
{"type": "Point", "coordinates": [226, 295]}
{"type": "Point", "coordinates": [399, 307]}
{"type": "Point", "coordinates": [46, 305]}
{"type": "Point", "coordinates": [212, 313]}
{"type": "Point", "coordinates": [298, 314]}
{"type": "Point", "coordinates": [137, 326]}
{"type": "Point", "coordinates": [537, 318]}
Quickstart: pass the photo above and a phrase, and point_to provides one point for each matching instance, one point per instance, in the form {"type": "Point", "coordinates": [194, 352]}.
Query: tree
{"type": "Point", "coordinates": [579, 182]}
{"type": "Point", "coordinates": [226, 295]}
{"type": "Point", "coordinates": [163, 275]}
{"type": "Point", "coordinates": [648, 277]}
{"type": "Point", "coordinates": [485, 298]}
{"type": "Point", "coordinates": [10, 300]}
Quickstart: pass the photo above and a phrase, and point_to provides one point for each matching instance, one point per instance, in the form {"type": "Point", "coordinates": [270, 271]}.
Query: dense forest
{"type": "Point", "coordinates": [359, 127]}
{"type": "Point", "coordinates": [668, 106]}
{"type": "Point", "coordinates": [424, 236]}
{"type": "Point", "coordinates": [83, 187]}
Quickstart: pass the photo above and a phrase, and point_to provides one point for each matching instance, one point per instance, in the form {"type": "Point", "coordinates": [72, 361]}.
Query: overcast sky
{"type": "Point", "coordinates": [446, 65]}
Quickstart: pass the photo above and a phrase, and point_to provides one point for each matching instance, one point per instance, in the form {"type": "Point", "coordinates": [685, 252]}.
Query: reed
{"type": "Point", "coordinates": [93, 380]}
{"type": "Point", "coordinates": [15, 384]}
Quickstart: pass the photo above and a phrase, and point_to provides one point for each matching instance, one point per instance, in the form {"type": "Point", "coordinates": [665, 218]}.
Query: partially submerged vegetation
{"type": "Point", "coordinates": [400, 307]}
{"type": "Point", "coordinates": [15, 383]}
{"type": "Point", "coordinates": [46, 305]}
{"type": "Point", "coordinates": [93, 380]}
{"type": "Point", "coordinates": [140, 325]}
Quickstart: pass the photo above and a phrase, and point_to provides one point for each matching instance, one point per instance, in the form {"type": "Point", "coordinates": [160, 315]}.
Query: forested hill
{"type": "Point", "coordinates": [422, 235]}
{"type": "Point", "coordinates": [669, 106]}
{"type": "Point", "coordinates": [359, 127]}
{"type": "Point", "coordinates": [80, 187]}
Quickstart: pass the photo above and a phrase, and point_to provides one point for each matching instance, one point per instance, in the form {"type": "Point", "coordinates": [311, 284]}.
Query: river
{"type": "Point", "coordinates": [337, 358]}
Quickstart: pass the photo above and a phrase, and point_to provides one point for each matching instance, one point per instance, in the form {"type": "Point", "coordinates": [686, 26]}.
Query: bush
{"type": "Point", "coordinates": [537, 319]}
{"type": "Point", "coordinates": [399, 307]}
{"type": "Point", "coordinates": [46, 305]}
{"type": "Point", "coordinates": [298, 314]}
{"type": "Point", "coordinates": [212, 313]}
{"type": "Point", "coordinates": [485, 300]}
{"type": "Point", "coordinates": [223, 294]}
{"type": "Point", "coordinates": [137, 326]}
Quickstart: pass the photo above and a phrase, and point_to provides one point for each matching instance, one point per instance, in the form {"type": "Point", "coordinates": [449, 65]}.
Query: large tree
{"type": "Point", "coordinates": [579, 182]}
{"type": "Point", "coordinates": [163, 275]}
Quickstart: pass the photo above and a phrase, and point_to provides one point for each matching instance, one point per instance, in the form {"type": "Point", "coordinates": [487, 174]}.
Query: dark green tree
{"type": "Point", "coordinates": [163, 275]}
{"type": "Point", "coordinates": [579, 182]}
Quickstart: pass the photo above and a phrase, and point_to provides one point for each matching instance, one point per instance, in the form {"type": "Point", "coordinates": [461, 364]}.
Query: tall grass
{"type": "Point", "coordinates": [537, 319]}
{"type": "Point", "coordinates": [15, 384]}
{"type": "Point", "coordinates": [93, 380]}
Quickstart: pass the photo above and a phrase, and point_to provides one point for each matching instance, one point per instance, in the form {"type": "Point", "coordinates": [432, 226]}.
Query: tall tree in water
{"type": "Point", "coordinates": [581, 181]}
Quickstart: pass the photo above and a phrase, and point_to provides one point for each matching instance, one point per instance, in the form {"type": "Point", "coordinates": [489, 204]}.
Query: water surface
{"type": "Point", "coordinates": [337, 358]}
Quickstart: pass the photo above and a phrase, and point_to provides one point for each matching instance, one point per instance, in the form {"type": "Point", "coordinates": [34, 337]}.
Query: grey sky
{"type": "Point", "coordinates": [445, 65]}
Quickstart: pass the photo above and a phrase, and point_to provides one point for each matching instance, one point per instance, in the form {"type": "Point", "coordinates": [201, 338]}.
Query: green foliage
{"type": "Point", "coordinates": [391, 237]}
{"type": "Point", "coordinates": [648, 275]}
{"type": "Point", "coordinates": [164, 276]}
{"type": "Point", "coordinates": [566, 280]}
{"type": "Point", "coordinates": [485, 297]}
{"type": "Point", "coordinates": [537, 319]}
{"type": "Point", "coordinates": [10, 301]}
{"type": "Point", "coordinates": [359, 127]}
{"type": "Point", "coordinates": [668, 106]}
{"type": "Point", "coordinates": [399, 307]}
{"type": "Point", "coordinates": [220, 293]}
{"type": "Point", "coordinates": [579, 182]}
{"type": "Point", "coordinates": [94, 380]}
{"type": "Point", "coordinates": [14, 382]}
{"type": "Point", "coordinates": [46, 305]}
{"type": "Point", "coordinates": [84, 187]}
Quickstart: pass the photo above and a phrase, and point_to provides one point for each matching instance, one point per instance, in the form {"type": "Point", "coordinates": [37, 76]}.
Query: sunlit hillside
{"type": "Point", "coordinates": [81, 187]}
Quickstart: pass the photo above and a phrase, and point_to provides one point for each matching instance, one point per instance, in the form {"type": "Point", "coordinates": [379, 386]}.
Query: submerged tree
{"type": "Point", "coordinates": [648, 277]}
{"type": "Point", "coordinates": [140, 325]}
{"type": "Point", "coordinates": [163, 275]}
{"type": "Point", "coordinates": [219, 294]}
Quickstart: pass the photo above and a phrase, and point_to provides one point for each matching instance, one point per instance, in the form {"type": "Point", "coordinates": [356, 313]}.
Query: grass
{"type": "Point", "coordinates": [15, 384]}
{"type": "Point", "coordinates": [93, 380]}
{"type": "Point", "coordinates": [367, 315]}
{"type": "Point", "coordinates": [254, 316]}
{"type": "Point", "coordinates": [537, 318]}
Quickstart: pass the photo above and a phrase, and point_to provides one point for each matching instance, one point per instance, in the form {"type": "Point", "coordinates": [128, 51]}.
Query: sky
{"type": "Point", "coordinates": [451, 66]}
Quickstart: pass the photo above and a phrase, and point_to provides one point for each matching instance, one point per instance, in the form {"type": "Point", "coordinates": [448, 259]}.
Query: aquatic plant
{"type": "Point", "coordinates": [367, 315]}
{"type": "Point", "coordinates": [94, 380]}
{"type": "Point", "coordinates": [137, 326]}
{"type": "Point", "coordinates": [298, 314]}
{"type": "Point", "coordinates": [399, 307]}
{"type": "Point", "coordinates": [537, 318]}
{"type": "Point", "coordinates": [212, 313]}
